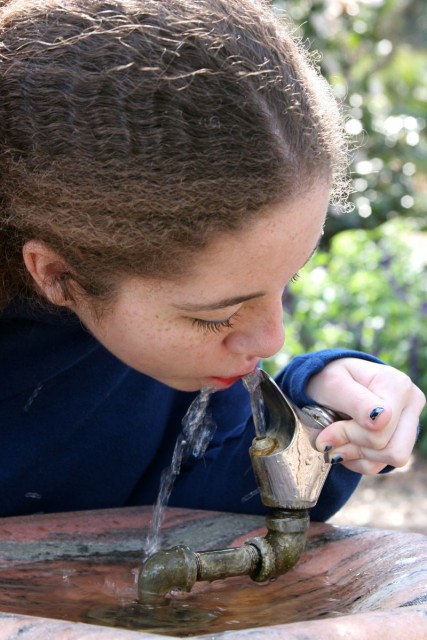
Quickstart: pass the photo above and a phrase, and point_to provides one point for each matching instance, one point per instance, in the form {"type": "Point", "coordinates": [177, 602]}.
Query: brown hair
{"type": "Point", "coordinates": [131, 131]}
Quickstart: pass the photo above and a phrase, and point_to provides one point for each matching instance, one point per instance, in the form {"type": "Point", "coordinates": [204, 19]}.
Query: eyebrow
{"type": "Point", "coordinates": [220, 304]}
{"type": "Point", "coordinates": [231, 302]}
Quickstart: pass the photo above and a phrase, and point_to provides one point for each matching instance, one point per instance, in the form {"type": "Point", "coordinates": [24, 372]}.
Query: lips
{"type": "Point", "coordinates": [226, 382]}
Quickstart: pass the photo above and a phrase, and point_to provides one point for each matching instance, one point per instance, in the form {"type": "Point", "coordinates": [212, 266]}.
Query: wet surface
{"type": "Point", "coordinates": [83, 568]}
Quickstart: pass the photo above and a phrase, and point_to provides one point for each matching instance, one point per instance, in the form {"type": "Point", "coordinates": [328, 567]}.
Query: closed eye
{"type": "Point", "coordinates": [214, 326]}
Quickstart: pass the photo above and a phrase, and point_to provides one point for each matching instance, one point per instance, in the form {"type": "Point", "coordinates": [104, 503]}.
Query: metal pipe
{"type": "Point", "coordinates": [259, 558]}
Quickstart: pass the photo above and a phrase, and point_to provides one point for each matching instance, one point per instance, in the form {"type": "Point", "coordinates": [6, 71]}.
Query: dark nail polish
{"type": "Point", "coordinates": [376, 412]}
{"type": "Point", "coordinates": [328, 448]}
{"type": "Point", "coordinates": [336, 459]}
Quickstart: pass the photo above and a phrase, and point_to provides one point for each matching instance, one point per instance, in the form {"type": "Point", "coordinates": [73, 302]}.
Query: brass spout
{"type": "Point", "coordinates": [259, 558]}
{"type": "Point", "coordinates": [290, 473]}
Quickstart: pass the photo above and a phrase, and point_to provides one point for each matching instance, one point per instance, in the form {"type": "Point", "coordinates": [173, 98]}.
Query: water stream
{"type": "Point", "coordinates": [252, 384]}
{"type": "Point", "coordinates": [198, 428]}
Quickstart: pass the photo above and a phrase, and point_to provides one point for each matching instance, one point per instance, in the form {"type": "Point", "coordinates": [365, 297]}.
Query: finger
{"type": "Point", "coordinates": [396, 392]}
{"type": "Point", "coordinates": [358, 460]}
{"type": "Point", "coordinates": [343, 432]}
{"type": "Point", "coordinates": [388, 456]}
{"type": "Point", "coordinates": [365, 467]}
{"type": "Point", "coordinates": [403, 423]}
{"type": "Point", "coordinates": [367, 409]}
{"type": "Point", "coordinates": [401, 444]}
{"type": "Point", "coordinates": [369, 394]}
{"type": "Point", "coordinates": [396, 452]}
{"type": "Point", "coordinates": [360, 465]}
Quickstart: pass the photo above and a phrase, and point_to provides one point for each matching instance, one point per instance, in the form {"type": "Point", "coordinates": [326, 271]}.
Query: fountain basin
{"type": "Point", "coordinates": [73, 575]}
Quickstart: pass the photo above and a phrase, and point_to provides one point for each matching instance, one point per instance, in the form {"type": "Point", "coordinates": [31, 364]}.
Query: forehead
{"type": "Point", "coordinates": [260, 257]}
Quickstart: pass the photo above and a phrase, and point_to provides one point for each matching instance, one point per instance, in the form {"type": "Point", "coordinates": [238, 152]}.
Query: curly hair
{"type": "Point", "coordinates": [134, 131]}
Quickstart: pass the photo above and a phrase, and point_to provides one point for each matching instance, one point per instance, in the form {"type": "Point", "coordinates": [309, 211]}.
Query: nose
{"type": "Point", "coordinates": [260, 332]}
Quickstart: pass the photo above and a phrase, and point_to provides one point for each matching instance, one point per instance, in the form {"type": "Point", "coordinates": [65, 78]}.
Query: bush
{"type": "Point", "coordinates": [374, 55]}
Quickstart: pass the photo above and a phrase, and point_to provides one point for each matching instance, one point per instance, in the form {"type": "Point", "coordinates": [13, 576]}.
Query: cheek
{"type": "Point", "coordinates": [135, 335]}
{"type": "Point", "coordinates": [155, 336]}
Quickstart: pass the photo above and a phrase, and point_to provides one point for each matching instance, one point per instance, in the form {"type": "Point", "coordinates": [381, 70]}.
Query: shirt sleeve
{"type": "Point", "coordinates": [294, 379]}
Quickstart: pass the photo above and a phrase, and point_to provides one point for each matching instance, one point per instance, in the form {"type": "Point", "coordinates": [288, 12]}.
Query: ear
{"type": "Point", "coordinates": [49, 271]}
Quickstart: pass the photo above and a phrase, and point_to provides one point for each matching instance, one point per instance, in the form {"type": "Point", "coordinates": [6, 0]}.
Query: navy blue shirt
{"type": "Point", "coordinates": [81, 430]}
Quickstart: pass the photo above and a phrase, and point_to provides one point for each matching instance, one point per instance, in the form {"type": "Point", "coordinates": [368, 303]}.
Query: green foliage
{"type": "Point", "coordinates": [368, 292]}
{"type": "Point", "coordinates": [374, 54]}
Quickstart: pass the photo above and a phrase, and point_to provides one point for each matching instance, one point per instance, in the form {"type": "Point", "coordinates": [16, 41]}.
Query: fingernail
{"type": "Point", "coordinates": [376, 412]}
{"type": "Point", "coordinates": [336, 459]}
{"type": "Point", "coordinates": [327, 448]}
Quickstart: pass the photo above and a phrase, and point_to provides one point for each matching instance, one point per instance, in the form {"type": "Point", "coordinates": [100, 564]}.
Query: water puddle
{"type": "Point", "coordinates": [339, 577]}
{"type": "Point", "coordinates": [104, 595]}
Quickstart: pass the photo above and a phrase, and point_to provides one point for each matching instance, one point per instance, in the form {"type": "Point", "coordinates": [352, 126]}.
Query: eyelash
{"type": "Point", "coordinates": [214, 326]}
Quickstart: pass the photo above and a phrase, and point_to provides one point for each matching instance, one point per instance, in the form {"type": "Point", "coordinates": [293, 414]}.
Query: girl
{"type": "Point", "coordinates": [165, 171]}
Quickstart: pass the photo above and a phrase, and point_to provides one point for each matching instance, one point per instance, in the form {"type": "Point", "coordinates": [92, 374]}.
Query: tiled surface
{"type": "Point", "coordinates": [350, 583]}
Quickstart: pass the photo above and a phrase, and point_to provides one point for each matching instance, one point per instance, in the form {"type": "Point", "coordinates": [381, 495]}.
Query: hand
{"type": "Point", "coordinates": [384, 408]}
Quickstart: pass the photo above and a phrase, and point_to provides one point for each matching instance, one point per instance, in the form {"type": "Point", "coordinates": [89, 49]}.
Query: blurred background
{"type": "Point", "coordinates": [366, 288]}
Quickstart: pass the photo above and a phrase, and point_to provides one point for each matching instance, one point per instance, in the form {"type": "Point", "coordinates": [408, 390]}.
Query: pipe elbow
{"type": "Point", "coordinates": [280, 550]}
{"type": "Point", "coordinates": [165, 571]}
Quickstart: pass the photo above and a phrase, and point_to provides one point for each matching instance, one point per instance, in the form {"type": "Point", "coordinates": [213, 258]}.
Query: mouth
{"type": "Point", "coordinates": [227, 382]}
